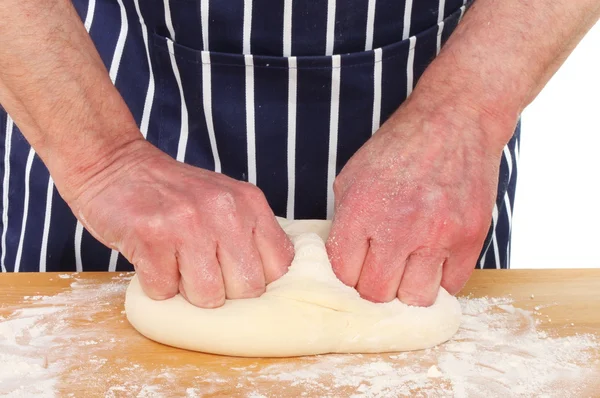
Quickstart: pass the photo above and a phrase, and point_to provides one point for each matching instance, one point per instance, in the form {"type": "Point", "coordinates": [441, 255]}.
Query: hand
{"type": "Point", "coordinates": [184, 229]}
{"type": "Point", "coordinates": [413, 207]}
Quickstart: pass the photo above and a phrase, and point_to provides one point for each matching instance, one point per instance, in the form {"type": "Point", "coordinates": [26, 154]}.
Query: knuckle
{"type": "Point", "coordinates": [276, 272]}
{"type": "Point", "coordinates": [211, 290]}
{"type": "Point", "coordinates": [373, 295]}
{"type": "Point", "coordinates": [206, 281]}
{"type": "Point", "coordinates": [224, 201]}
{"type": "Point", "coordinates": [208, 301]}
{"type": "Point", "coordinates": [468, 228]}
{"type": "Point", "coordinates": [156, 285]}
{"type": "Point", "coordinates": [433, 197]}
{"type": "Point", "coordinates": [252, 193]}
{"type": "Point", "coordinates": [252, 292]}
{"type": "Point", "coordinates": [185, 209]}
{"type": "Point", "coordinates": [455, 282]}
{"type": "Point", "coordinates": [416, 299]}
{"type": "Point", "coordinates": [247, 281]}
{"type": "Point", "coordinates": [377, 289]}
{"type": "Point", "coordinates": [205, 293]}
{"type": "Point", "coordinates": [333, 250]}
{"type": "Point", "coordinates": [340, 267]}
{"type": "Point", "coordinates": [149, 227]}
{"type": "Point", "coordinates": [338, 185]}
{"type": "Point", "coordinates": [474, 228]}
{"type": "Point", "coordinates": [442, 225]}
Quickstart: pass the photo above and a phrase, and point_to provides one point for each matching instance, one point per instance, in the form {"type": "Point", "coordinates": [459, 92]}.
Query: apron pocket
{"type": "Point", "coordinates": [279, 121]}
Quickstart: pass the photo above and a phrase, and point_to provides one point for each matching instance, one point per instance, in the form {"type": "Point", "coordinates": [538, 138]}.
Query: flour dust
{"type": "Point", "coordinates": [499, 351]}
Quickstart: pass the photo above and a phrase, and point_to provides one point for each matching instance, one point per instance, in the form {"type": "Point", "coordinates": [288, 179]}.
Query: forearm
{"type": "Point", "coordinates": [56, 88]}
{"type": "Point", "coordinates": [501, 56]}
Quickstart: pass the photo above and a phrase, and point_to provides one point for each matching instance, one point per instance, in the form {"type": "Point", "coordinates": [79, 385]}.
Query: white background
{"type": "Point", "coordinates": [556, 217]}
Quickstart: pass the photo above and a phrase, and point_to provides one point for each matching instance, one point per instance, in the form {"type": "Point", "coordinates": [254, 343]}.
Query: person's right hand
{"type": "Point", "coordinates": [183, 228]}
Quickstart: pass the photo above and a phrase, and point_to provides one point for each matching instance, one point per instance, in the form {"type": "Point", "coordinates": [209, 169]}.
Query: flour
{"type": "Point", "coordinates": [433, 371]}
{"type": "Point", "coordinates": [497, 352]}
{"type": "Point", "coordinates": [37, 342]}
{"type": "Point", "coordinates": [500, 350]}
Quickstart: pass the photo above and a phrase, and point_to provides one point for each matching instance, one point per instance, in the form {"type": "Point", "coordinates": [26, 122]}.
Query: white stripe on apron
{"type": "Point", "coordinates": [47, 218]}
{"type": "Point", "coordinates": [30, 157]}
{"type": "Point", "coordinates": [440, 25]}
{"type": "Point", "coordinates": [6, 186]}
{"type": "Point", "coordinates": [407, 19]}
{"type": "Point", "coordinates": [410, 65]}
{"type": "Point", "coordinates": [330, 27]}
{"type": "Point", "coordinates": [377, 72]}
{"type": "Point", "coordinates": [370, 25]}
{"type": "Point", "coordinates": [250, 126]}
{"type": "Point", "coordinates": [151, 85]}
{"type": "Point", "coordinates": [291, 136]}
{"type": "Point", "coordinates": [334, 117]}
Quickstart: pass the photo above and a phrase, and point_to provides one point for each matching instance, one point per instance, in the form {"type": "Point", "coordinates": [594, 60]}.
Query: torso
{"type": "Point", "coordinates": [280, 94]}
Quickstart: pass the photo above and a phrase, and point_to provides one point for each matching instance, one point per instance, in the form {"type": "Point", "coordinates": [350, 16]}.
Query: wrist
{"type": "Point", "coordinates": [75, 171]}
{"type": "Point", "coordinates": [465, 107]}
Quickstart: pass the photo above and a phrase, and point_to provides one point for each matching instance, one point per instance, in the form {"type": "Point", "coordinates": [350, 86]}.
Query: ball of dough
{"type": "Point", "coordinates": [307, 311]}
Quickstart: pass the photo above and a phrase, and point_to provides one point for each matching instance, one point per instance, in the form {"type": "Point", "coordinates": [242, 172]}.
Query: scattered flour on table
{"type": "Point", "coordinates": [37, 341]}
{"type": "Point", "coordinates": [499, 351]}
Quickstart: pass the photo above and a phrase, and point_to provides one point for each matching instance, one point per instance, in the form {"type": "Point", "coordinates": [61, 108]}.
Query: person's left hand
{"type": "Point", "coordinates": [413, 206]}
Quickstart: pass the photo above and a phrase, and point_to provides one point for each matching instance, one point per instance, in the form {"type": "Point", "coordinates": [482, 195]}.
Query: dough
{"type": "Point", "coordinates": [307, 311]}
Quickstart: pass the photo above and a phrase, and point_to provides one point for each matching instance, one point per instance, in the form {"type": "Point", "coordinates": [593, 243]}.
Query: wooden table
{"type": "Point", "coordinates": [74, 326]}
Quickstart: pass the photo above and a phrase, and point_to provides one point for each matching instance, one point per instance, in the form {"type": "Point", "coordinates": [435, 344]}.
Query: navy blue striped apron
{"type": "Point", "coordinates": [277, 93]}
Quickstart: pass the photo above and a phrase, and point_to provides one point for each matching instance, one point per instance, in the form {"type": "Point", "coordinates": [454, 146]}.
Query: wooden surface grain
{"type": "Point", "coordinates": [95, 352]}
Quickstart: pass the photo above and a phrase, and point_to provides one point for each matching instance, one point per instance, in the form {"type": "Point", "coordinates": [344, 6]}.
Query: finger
{"type": "Point", "coordinates": [420, 282]}
{"type": "Point", "coordinates": [381, 273]}
{"type": "Point", "coordinates": [347, 247]}
{"type": "Point", "coordinates": [157, 271]}
{"type": "Point", "coordinates": [458, 269]}
{"type": "Point", "coordinates": [274, 247]}
{"type": "Point", "coordinates": [201, 280]}
{"type": "Point", "coordinates": [241, 266]}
